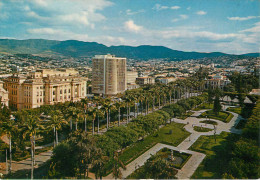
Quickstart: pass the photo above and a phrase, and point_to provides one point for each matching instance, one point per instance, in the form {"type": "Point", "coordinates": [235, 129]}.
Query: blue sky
{"type": "Point", "coordinates": [230, 26]}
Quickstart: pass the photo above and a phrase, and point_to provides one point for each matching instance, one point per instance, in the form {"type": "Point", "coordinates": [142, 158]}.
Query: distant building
{"type": "Point", "coordinates": [45, 87]}
{"type": "Point", "coordinates": [167, 80]}
{"type": "Point", "coordinates": [108, 75]}
{"type": "Point", "coordinates": [217, 81]}
{"type": "Point", "coordinates": [145, 80]}
{"type": "Point", "coordinates": [131, 77]}
{"type": "Point", "coordinates": [3, 95]}
{"type": "Point", "coordinates": [131, 80]}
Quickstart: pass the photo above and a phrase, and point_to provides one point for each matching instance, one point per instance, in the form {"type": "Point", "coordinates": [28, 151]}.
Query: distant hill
{"type": "Point", "coordinates": [88, 49]}
{"type": "Point", "coordinates": [251, 54]}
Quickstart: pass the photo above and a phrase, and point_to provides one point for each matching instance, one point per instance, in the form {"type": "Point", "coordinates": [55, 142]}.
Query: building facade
{"type": "Point", "coordinates": [3, 95]}
{"type": "Point", "coordinates": [108, 75]}
{"type": "Point", "coordinates": [145, 80]}
{"type": "Point", "coordinates": [44, 87]}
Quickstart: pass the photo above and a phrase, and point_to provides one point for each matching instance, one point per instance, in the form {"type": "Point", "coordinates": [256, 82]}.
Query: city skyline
{"type": "Point", "coordinates": [226, 26]}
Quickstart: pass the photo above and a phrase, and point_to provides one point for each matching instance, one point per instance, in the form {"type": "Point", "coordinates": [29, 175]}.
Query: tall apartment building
{"type": "Point", "coordinates": [108, 75]}
{"type": "Point", "coordinates": [45, 87]}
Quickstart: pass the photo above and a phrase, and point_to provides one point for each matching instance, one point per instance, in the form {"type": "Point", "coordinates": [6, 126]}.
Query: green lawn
{"type": "Point", "coordinates": [222, 116]}
{"type": "Point", "coordinates": [201, 129]}
{"type": "Point", "coordinates": [217, 155]}
{"type": "Point", "coordinates": [209, 122]}
{"type": "Point", "coordinates": [204, 106]}
{"type": "Point", "coordinates": [162, 136]}
{"type": "Point", "coordinates": [235, 110]}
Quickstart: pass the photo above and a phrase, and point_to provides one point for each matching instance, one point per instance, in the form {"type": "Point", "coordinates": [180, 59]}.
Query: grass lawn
{"type": "Point", "coordinates": [204, 106]}
{"type": "Point", "coordinates": [183, 117]}
{"type": "Point", "coordinates": [209, 122]}
{"type": "Point", "coordinates": [222, 116]}
{"type": "Point", "coordinates": [235, 109]}
{"type": "Point", "coordinates": [217, 155]}
{"type": "Point", "coordinates": [201, 129]}
{"type": "Point", "coordinates": [162, 136]}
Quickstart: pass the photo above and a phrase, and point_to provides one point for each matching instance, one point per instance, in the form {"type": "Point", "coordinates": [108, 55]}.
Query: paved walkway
{"type": "Point", "coordinates": [26, 164]}
{"type": "Point", "coordinates": [191, 165]}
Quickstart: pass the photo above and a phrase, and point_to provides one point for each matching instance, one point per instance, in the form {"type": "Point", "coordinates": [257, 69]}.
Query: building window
{"type": "Point", "coordinates": [53, 93]}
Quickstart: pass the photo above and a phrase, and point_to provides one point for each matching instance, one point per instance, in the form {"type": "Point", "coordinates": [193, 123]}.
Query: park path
{"type": "Point", "coordinates": [26, 164]}
{"type": "Point", "coordinates": [192, 164]}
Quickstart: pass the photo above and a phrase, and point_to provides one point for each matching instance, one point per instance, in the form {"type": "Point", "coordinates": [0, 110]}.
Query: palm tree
{"type": "Point", "coordinates": [32, 125]}
{"type": "Point", "coordinates": [116, 168]}
{"type": "Point", "coordinates": [106, 105]}
{"type": "Point", "coordinates": [100, 114]}
{"type": "Point", "coordinates": [98, 164]}
{"type": "Point", "coordinates": [79, 116]}
{"type": "Point", "coordinates": [8, 127]}
{"type": "Point", "coordinates": [56, 123]}
{"type": "Point", "coordinates": [94, 112]}
{"type": "Point", "coordinates": [71, 114]}
{"type": "Point", "coordinates": [85, 105]}
{"type": "Point", "coordinates": [118, 106]}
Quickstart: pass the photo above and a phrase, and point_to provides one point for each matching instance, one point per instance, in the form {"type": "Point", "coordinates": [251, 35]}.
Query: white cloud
{"type": "Point", "coordinates": [188, 8]}
{"type": "Point", "coordinates": [242, 18]}
{"type": "Point", "coordinates": [252, 35]}
{"type": "Point", "coordinates": [40, 2]}
{"type": "Point", "coordinates": [159, 7]}
{"type": "Point", "coordinates": [181, 17]}
{"type": "Point", "coordinates": [57, 34]}
{"type": "Point", "coordinates": [201, 12]}
{"type": "Point", "coordinates": [175, 7]}
{"type": "Point", "coordinates": [132, 27]}
{"type": "Point", "coordinates": [129, 12]}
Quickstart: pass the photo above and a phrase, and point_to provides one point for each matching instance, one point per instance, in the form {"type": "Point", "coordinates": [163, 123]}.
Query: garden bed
{"type": "Point", "coordinates": [201, 129]}
{"type": "Point", "coordinates": [222, 115]}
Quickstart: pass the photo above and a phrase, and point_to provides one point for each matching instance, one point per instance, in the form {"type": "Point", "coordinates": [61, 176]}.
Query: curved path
{"type": "Point", "coordinates": [191, 165]}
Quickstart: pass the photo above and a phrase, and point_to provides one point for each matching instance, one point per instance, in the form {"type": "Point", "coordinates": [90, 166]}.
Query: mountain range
{"type": "Point", "coordinates": [76, 48]}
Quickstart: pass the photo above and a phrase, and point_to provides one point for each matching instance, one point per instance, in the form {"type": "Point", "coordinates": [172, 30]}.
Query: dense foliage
{"type": "Point", "coordinates": [245, 155]}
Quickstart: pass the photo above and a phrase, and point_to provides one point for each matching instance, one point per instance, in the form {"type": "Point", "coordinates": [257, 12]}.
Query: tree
{"type": "Point", "coordinates": [119, 104]}
{"type": "Point", "coordinates": [217, 105]}
{"type": "Point", "coordinates": [8, 127]}
{"type": "Point", "coordinates": [71, 114]}
{"type": "Point", "coordinates": [98, 164]}
{"type": "Point", "coordinates": [116, 167]}
{"type": "Point", "coordinates": [32, 125]}
{"type": "Point", "coordinates": [56, 123]}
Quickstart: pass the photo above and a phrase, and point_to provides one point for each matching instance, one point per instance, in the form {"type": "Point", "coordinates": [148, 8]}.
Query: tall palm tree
{"type": "Point", "coordinates": [71, 114]}
{"type": "Point", "coordinates": [100, 114]}
{"type": "Point", "coordinates": [56, 123]}
{"type": "Point", "coordinates": [106, 105]}
{"type": "Point", "coordinates": [8, 128]}
{"type": "Point", "coordinates": [98, 164]}
{"type": "Point", "coordinates": [116, 168]}
{"type": "Point", "coordinates": [79, 117]}
{"type": "Point", "coordinates": [119, 104]}
{"type": "Point", "coordinates": [94, 112]}
{"type": "Point", "coordinates": [85, 105]}
{"type": "Point", "coordinates": [32, 125]}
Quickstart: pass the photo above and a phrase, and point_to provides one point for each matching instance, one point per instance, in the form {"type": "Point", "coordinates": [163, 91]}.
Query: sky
{"type": "Point", "coordinates": [230, 26]}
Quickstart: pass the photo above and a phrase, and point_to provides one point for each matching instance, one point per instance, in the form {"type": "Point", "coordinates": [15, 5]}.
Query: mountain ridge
{"type": "Point", "coordinates": [77, 48]}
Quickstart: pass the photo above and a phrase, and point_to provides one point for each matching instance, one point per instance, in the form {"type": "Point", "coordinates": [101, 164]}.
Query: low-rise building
{"type": "Point", "coordinates": [44, 87]}
{"type": "Point", "coordinates": [167, 80]}
{"type": "Point", "coordinates": [145, 80]}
